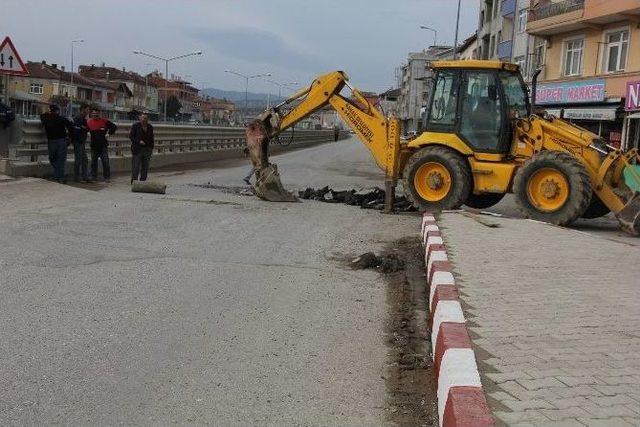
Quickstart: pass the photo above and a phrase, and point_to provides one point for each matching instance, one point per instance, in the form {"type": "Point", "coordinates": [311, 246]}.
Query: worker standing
{"type": "Point", "coordinates": [79, 144]}
{"type": "Point", "coordinates": [99, 128]}
{"type": "Point", "coordinates": [58, 130]}
{"type": "Point", "coordinates": [142, 141]}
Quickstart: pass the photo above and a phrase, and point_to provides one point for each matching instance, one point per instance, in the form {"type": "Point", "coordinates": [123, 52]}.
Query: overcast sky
{"type": "Point", "coordinates": [293, 39]}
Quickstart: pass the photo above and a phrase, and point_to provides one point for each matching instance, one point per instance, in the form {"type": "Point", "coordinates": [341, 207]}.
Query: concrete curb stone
{"type": "Point", "coordinates": [461, 398]}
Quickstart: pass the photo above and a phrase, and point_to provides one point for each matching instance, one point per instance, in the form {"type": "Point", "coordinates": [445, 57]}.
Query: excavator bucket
{"type": "Point", "coordinates": [268, 185]}
{"type": "Point", "coordinates": [629, 216]}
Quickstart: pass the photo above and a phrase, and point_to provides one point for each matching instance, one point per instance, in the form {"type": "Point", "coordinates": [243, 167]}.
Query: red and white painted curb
{"type": "Point", "coordinates": [461, 399]}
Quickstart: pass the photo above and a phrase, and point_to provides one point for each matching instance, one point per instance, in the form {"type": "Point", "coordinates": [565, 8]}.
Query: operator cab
{"type": "Point", "coordinates": [477, 100]}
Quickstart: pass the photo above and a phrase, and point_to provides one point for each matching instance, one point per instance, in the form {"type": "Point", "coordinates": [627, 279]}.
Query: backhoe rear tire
{"type": "Point", "coordinates": [553, 187]}
{"type": "Point", "coordinates": [437, 178]}
{"type": "Point", "coordinates": [483, 201]}
{"type": "Point", "coordinates": [596, 208]}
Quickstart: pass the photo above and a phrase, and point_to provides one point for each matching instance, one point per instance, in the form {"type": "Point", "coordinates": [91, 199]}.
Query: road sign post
{"type": "Point", "coordinates": [10, 65]}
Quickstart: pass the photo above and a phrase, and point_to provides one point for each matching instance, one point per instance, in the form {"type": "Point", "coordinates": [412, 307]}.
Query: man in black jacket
{"type": "Point", "coordinates": [142, 141]}
{"type": "Point", "coordinates": [79, 144]}
{"type": "Point", "coordinates": [57, 129]}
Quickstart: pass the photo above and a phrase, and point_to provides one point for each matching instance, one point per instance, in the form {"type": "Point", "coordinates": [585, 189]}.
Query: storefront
{"type": "Point", "coordinates": [584, 103]}
{"type": "Point", "coordinates": [631, 128]}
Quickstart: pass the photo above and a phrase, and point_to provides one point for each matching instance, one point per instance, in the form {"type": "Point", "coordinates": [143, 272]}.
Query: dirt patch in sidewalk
{"type": "Point", "coordinates": [411, 385]}
{"type": "Point", "coordinates": [410, 382]}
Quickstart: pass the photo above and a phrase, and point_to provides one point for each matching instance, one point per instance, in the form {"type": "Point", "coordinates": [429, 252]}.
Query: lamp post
{"type": "Point", "coordinates": [455, 42]}
{"type": "Point", "coordinates": [435, 33]}
{"type": "Point", "coordinates": [166, 71]}
{"type": "Point", "coordinates": [246, 85]}
{"type": "Point", "coordinates": [73, 43]}
{"type": "Point", "coordinates": [280, 86]}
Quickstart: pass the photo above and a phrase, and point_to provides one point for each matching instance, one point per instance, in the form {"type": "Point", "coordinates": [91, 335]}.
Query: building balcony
{"type": "Point", "coordinates": [508, 8]}
{"type": "Point", "coordinates": [552, 18]}
{"type": "Point", "coordinates": [504, 50]}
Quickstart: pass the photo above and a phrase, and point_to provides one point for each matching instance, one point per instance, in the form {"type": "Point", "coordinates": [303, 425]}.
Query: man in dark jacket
{"type": "Point", "coordinates": [98, 129]}
{"type": "Point", "coordinates": [57, 129]}
{"type": "Point", "coordinates": [79, 144]}
{"type": "Point", "coordinates": [142, 141]}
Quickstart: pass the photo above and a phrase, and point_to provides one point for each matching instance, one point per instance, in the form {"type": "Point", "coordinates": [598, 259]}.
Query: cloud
{"type": "Point", "coordinates": [254, 45]}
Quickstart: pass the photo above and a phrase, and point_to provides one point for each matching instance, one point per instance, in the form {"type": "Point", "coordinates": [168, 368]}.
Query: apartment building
{"type": "Point", "coordinates": [590, 74]}
{"type": "Point", "coordinates": [413, 85]}
{"type": "Point", "coordinates": [46, 83]}
{"type": "Point", "coordinates": [183, 90]}
{"type": "Point", "coordinates": [144, 93]}
{"type": "Point", "coordinates": [502, 35]}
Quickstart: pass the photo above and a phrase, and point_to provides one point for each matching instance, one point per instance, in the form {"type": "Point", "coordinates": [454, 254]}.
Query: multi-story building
{"type": "Point", "coordinates": [589, 68]}
{"type": "Point", "coordinates": [47, 83]}
{"type": "Point", "coordinates": [412, 82]}
{"type": "Point", "coordinates": [502, 34]}
{"type": "Point", "coordinates": [144, 93]}
{"type": "Point", "coordinates": [183, 90]}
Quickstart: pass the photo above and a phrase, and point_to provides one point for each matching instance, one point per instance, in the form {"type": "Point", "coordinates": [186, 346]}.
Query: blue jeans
{"type": "Point", "coordinates": [58, 157]}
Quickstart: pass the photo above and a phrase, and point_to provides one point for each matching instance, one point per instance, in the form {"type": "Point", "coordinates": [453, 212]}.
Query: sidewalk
{"type": "Point", "coordinates": [554, 315]}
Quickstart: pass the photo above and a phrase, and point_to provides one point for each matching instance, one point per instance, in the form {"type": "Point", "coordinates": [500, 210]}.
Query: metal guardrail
{"type": "Point", "coordinates": [554, 9]}
{"type": "Point", "coordinates": [31, 146]}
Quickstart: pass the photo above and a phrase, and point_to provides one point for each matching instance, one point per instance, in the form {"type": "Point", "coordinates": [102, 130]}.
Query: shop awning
{"type": "Point", "coordinates": [607, 113]}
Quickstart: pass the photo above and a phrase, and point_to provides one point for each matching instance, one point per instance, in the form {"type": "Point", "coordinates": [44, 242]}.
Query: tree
{"type": "Point", "coordinates": [173, 106]}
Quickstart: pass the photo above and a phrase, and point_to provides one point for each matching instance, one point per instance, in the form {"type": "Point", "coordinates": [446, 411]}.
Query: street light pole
{"type": "Point", "coordinates": [435, 33]}
{"type": "Point", "coordinates": [455, 42]}
{"type": "Point", "coordinates": [280, 86]}
{"type": "Point", "coordinates": [246, 85]}
{"type": "Point", "coordinates": [73, 42]}
{"type": "Point", "coordinates": [166, 71]}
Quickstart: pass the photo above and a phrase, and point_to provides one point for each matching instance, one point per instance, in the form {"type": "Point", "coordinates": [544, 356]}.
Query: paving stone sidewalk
{"type": "Point", "coordinates": [555, 318]}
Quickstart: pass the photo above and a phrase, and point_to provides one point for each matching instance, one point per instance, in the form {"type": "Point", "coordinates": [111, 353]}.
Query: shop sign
{"type": "Point", "coordinates": [632, 96]}
{"type": "Point", "coordinates": [590, 114]}
{"type": "Point", "coordinates": [570, 92]}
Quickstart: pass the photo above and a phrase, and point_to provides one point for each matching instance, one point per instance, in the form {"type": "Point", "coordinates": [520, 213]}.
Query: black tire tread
{"type": "Point", "coordinates": [579, 194]}
{"type": "Point", "coordinates": [461, 178]}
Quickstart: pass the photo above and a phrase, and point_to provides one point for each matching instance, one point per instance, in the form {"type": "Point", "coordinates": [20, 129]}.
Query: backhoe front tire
{"type": "Point", "coordinates": [483, 201]}
{"type": "Point", "coordinates": [552, 187]}
{"type": "Point", "coordinates": [437, 178]}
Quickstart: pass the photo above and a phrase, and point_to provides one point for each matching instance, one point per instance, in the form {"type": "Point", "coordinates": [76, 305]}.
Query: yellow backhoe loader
{"type": "Point", "coordinates": [481, 141]}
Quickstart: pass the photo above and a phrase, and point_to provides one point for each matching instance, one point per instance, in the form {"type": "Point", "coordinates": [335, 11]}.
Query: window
{"type": "Point", "coordinates": [515, 93]}
{"type": "Point", "coordinates": [492, 47]}
{"type": "Point", "coordinates": [481, 118]}
{"type": "Point", "coordinates": [616, 45]}
{"type": "Point", "coordinates": [573, 57]}
{"type": "Point", "coordinates": [523, 16]}
{"type": "Point", "coordinates": [444, 101]}
{"type": "Point", "coordinates": [36, 88]}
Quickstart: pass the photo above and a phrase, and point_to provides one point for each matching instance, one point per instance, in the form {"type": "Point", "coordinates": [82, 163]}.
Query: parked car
{"type": "Point", "coordinates": [6, 115]}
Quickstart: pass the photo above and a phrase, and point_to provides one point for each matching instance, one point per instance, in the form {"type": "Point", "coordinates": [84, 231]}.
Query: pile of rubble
{"type": "Point", "coordinates": [386, 263]}
{"type": "Point", "coordinates": [371, 198]}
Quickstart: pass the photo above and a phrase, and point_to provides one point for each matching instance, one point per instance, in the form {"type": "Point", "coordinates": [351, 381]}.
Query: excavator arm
{"type": "Point", "coordinates": [379, 134]}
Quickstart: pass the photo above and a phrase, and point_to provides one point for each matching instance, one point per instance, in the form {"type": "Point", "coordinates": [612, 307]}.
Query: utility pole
{"type": "Point", "coordinates": [72, 91]}
{"type": "Point", "coordinates": [246, 86]}
{"type": "Point", "coordinates": [455, 42]}
{"type": "Point", "coordinates": [166, 71]}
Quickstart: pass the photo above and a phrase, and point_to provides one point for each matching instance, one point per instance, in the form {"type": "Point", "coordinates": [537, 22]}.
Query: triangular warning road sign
{"type": "Point", "coordinates": [10, 62]}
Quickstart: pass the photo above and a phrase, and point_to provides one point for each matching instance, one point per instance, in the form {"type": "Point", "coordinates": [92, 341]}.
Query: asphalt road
{"type": "Point", "coordinates": [200, 306]}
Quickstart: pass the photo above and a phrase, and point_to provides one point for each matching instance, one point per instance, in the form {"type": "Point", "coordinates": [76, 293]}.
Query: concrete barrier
{"type": "Point", "coordinates": [26, 146]}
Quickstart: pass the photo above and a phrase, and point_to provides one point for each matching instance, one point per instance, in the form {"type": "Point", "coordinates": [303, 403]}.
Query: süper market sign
{"type": "Point", "coordinates": [570, 92]}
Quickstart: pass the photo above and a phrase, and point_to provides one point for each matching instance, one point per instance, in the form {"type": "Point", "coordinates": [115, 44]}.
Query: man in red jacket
{"type": "Point", "coordinates": [98, 129]}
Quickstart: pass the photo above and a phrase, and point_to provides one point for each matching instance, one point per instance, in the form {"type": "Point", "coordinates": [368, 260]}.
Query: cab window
{"type": "Point", "coordinates": [481, 112]}
{"type": "Point", "coordinates": [442, 116]}
{"type": "Point", "coordinates": [515, 94]}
